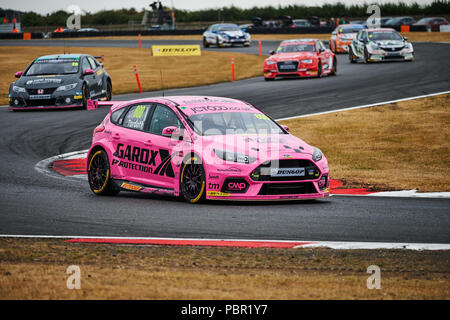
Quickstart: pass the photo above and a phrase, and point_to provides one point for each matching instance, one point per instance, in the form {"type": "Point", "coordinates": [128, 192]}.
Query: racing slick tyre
{"type": "Point", "coordinates": [319, 70]}
{"type": "Point", "coordinates": [351, 56]}
{"type": "Point", "coordinates": [108, 93]}
{"type": "Point", "coordinates": [205, 43]}
{"type": "Point", "coordinates": [99, 176]}
{"type": "Point", "coordinates": [366, 56]}
{"type": "Point", "coordinates": [269, 79]}
{"type": "Point", "coordinates": [193, 182]}
{"type": "Point", "coordinates": [334, 68]}
{"type": "Point", "coordinates": [85, 93]}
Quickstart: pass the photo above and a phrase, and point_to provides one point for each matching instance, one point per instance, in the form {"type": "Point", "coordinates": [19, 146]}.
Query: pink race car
{"type": "Point", "coordinates": [199, 148]}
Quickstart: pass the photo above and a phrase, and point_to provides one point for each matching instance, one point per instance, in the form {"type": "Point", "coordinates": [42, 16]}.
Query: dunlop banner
{"type": "Point", "coordinates": [177, 50]}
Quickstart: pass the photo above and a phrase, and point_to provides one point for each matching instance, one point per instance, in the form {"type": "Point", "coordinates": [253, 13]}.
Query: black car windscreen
{"type": "Point", "coordinates": [53, 67]}
{"type": "Point", "coordinates": [384, 35]}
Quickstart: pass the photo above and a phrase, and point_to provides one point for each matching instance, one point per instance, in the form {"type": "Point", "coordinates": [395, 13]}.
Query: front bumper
{"type": "Point", "coordinates": [231, 42]}
{"type": "Point", "coordinates": [343, 46]}
{"type": "Point", "coordinates": [381, 55]}
{"type": "Point", "coordinates": [302, 72]}
{"type": "Point", "coordinates": [56, 100]}
{"type": "Point", "coordinates": [236, 182]}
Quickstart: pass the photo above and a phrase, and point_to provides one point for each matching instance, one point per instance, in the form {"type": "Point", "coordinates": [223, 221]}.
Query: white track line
{"type": "Point", "coordinates": [364, 106]}
{"type": "Point", "coordinates": [341, 245]}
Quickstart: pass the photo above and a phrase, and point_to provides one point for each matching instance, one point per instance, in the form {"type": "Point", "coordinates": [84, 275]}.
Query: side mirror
{"type": "Point", "coordinates": [321, 50]}
{"type": "Point", "coordinates": [272, 52]}
{"type": "Point", "coordinates": [87, 72]}
{"type": "Point", "coordinates": [214, 31]}
{"type": "Point", "coordinates": [169, 131]}
{"type": "Point", "coordinates": [405, 38]}
{"type": "Point", "coordinates": [18, 74]}
{"type": "Point", "coordinates": [285, 128]}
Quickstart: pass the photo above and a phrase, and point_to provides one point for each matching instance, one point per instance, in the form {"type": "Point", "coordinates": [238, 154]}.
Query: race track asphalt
{"type": "Point", "coordinates": [32, 203]}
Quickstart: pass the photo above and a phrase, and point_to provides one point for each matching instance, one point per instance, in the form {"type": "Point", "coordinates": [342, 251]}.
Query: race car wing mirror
{"type": "Point", "coordinates": [271, 52]}
{"type": "Point", "coordinates": [285, 128]}
{"type": "Point", "coordinates": [169, 131]}
{"type": "Point", "coordinates": [18, 74]}
{"type": "Point", "coordinates": [88, 72]}
{"type": "Point", "coordinates": [405, 38]}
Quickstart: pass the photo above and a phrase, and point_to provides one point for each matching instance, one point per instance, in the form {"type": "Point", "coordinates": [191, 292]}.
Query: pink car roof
{"type": "Point", "coordinates": [191, 105]}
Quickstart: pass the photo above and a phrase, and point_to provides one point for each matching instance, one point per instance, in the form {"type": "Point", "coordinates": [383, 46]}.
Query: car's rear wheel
{"type": "Point", "coordinates": [193, 185]}
{"type": "Point", "coordinates": [85, 93]}
{"type": "Point", "coordinates": [205, 43]}
{"type": "Point", "coordinates": [99, 175]}
{"type": "Point", "coordinates": [366, 56]}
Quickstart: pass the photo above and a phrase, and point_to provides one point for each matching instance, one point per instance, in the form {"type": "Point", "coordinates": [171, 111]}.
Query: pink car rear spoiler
{"type": "Point", "coordinates": [94, 104]}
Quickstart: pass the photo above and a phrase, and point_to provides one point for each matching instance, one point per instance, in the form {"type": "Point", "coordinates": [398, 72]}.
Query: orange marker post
{"type": "Point", "coordinates": [260, 49]}
{"type": "Point", "coordinates": [137, 78]}
{"type": "Point", "coordinates": [232, 68]}
{"type": "Point", "coordinates": [139, 40]}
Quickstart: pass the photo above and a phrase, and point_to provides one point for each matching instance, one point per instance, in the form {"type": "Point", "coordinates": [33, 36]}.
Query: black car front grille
{"type": "Point", "coordinates": [46, 91]}
{"type": "Point", "coordinates": [391, 49]}
{"type": "Point", "coordinates": [40, 102]}
{"type": "Point", "coordinates": [272, 189]}
{"type": "Point", "coordinates": [311, 171]}
{"type": "Point", "coordinates": [287, 66]}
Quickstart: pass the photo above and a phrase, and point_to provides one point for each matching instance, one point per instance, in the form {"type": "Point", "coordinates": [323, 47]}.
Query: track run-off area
{"type": "Point", "coordinates": [36, 204]}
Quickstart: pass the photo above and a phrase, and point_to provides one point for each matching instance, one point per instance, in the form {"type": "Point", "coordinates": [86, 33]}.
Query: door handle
{"type": "Point", "coordinates": [116, 136]}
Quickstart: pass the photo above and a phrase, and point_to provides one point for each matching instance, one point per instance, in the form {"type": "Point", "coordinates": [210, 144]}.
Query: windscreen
{"type": "Point", "coordinates": [53, 67]}
{"type": "Point", "coordinates": [228, 27]}
{"type": "Point", "coordinates": [350, 30]}
{"type": "Point", "coordinates": [302, 47]}
{"type": "Point", "coordinates": [227, 123]}
{"type": "Point", "coordinates": [384, 35]}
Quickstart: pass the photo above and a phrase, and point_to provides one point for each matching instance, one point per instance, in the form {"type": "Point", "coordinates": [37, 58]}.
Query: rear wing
{"type": "Point", "coordinates": [94, 104]}
{"type": "Point", "coordinates": [101, 58]}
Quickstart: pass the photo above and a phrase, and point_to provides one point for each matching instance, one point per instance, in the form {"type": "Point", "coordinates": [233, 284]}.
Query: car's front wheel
{"type": "Point", "coordinates": [205, 43]}
{"type": "Point", "coordinates": [85, 93]}
{"type": "Point", "coordinates": [99, 175]}
{"type": "Point", "coordinates": [192, 184]}
{"type": "Point", "coordinates": [351, 55]}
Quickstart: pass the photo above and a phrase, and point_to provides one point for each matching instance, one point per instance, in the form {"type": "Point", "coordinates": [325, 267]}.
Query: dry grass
{"type": "Point", "coordinates": [36, 269]}
{"type": "Point", "coordinates": [399, 146]}
{"type": "Point", "coordinates": [412, 36]}
{"type": "Point", "coordinates": [210, 67]}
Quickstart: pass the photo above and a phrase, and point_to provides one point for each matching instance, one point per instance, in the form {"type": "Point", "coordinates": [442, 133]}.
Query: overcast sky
{"type": "Point", "coordinates": [48, 6]}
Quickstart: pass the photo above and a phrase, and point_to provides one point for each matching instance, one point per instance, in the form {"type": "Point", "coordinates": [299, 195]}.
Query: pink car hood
{"type": "Point", "coordinates": [262, 147]}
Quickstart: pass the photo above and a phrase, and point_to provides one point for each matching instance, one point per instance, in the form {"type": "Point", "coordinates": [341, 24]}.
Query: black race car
{"type": "Point", "coordinates": [60, 81]}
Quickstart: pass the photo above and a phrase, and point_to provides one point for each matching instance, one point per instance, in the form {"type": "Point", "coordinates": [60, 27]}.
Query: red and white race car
{"type": "Point", "coordinates": [300, 58]}
{"type": "Point", "coordinates": [199, 148]}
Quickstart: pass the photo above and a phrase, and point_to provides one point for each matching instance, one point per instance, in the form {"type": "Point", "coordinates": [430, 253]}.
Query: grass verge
{"type": "Point", "coordinates": [36, 269]}
{"type": "Point", "coordinates": [210, 67]}
{"type": "Point", "coordinates": [399, 146]}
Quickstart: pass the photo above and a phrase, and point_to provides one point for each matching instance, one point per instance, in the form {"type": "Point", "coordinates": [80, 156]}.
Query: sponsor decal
{"type": "Point", "coordinates": [213, 176]}
{"type": "Point", "coordinates": [230, 169]}
{"type": "Point", "coordinates": [145, 160]}
{"type": "Point", "coordinates": [236, 186]}
{"type": "Point", "coordinates": [99, 72]}
{"type": "Point", "coordinates": [43, 81]}
{"type": "Point", "coordinates": [130, 187]}
{"type": "Point", "coordinates": [176, 50]}
{"type": "Point", "coordinates": [40, 91]}
{"type": "Point", "coordinates": [78, 97]}
{"type": "Point", "coordinates": [218, 108]}
{"type": "Point", "coordinates": [283, 172]}
{"type": "Point", "coordinates": [217, 194]}
{"type": "Point", "coordinates": [261, 116]}
{"type": "Point", "coordinates": [287, 156]}
{"type": "Point", "coordinates": [213, 186]}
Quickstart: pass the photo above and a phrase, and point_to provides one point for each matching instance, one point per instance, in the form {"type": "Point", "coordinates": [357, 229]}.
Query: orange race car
{"type": "Point", "coordinates": [343, 35]}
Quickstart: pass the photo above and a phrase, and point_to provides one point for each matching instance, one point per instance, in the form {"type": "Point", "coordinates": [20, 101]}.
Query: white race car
{"type": "Point", "coordinates": [373, 45]}
{"type": "Point", "coordinates": [228, 34]}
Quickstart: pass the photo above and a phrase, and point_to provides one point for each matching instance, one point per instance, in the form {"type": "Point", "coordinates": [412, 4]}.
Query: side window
{"type": "Point", "coordinates": [136, 115]}
{"type": "Point", "coordinates": [115, 116]}
{"type": "Point", "coordinates": [93, 63]}
{"type": "Point", "coordinates": [85, 64]}
{"type": "Point", "coordinates": [163, 117]}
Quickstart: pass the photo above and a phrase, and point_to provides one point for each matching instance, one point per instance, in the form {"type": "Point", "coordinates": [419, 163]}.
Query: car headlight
{"type": "Point", "coordinates": [374, 46]}
{"type": "Point", "coordinates": [270, 62]}
{"type": "Point", "coordinates": [17, 89]}
{"type": "Point", "coordinates": [307, 61]}
{"type": "Point", "coordinates": [247, 36]}
{"type": "Point", "coordinates": [234, 156]}
{"type": "Point", "coordinates": [317, 154]}
{"type": "Point", "coordinates": [67, 87]}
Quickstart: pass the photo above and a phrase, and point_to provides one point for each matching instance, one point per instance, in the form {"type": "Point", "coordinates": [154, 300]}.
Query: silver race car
{"type": "Point", "coordinates": [225, 34]}
{"type": "Point", "coordinates": [373, 45]}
